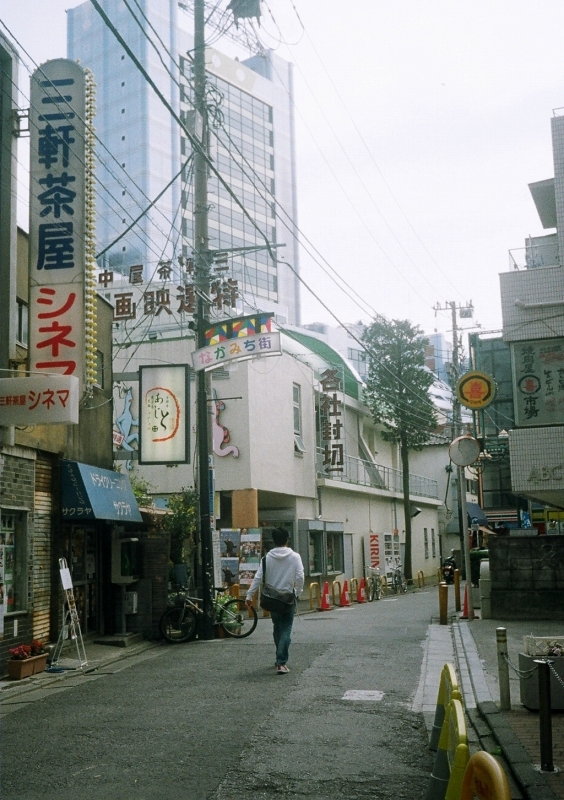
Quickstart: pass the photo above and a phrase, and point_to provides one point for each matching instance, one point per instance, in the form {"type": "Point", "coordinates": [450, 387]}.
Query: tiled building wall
{"type": "Point", "coordinates": [537, 459]}
{"type": "Point", "coordinates": [557, 124]}
{"type": "Point", "coordinates": [542, 285]}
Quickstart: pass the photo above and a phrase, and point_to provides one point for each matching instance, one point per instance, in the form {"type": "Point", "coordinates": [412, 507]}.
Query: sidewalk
{"type": "Point", "coordinates": [516, 731]}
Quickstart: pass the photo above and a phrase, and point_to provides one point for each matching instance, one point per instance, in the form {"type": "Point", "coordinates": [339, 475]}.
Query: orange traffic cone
{"type": "Point", "coordinates": [325, 604]}
{"type": "Point", "coordinates": [361, 594]}
{"type": "Point", "coordinates": [345, 599]}
{"type": "Point", "coordinates": [465, 606]}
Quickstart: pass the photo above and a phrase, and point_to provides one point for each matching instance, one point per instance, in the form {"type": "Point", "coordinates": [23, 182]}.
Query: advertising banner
{"type": "Point", "coordinates": [39, 400]}
{"type": "Point", "coordinates": [58, 229]}
{"type": "Point", "coordinates": [164, 414]}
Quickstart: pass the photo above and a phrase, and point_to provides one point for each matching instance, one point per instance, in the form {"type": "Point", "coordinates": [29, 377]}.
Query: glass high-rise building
{"type": "Point", "coordinates": [143, 148]}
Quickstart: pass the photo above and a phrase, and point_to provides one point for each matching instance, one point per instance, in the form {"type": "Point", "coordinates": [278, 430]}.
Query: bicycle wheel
{"type": "Point", "coordinates": [370, 589]}
{"type": "Point", "coordinates": [236, 619]}
{"type": "Point", "coordinates": [403, 585]}
{"type": "Point", "coordinates": [377, 588]}
{"type": "Point", "coordinates": [395, 584]}
{"type": "Point", "coordinates": [177, 625]}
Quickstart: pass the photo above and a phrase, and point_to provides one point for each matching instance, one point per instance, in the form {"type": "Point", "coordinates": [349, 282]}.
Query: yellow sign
{"type": "Point", "coordinates": [475, 390]}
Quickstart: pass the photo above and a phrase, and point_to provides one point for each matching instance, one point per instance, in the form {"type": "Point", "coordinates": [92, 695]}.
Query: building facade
{"type": "Point", "coordinates": [144, 154]}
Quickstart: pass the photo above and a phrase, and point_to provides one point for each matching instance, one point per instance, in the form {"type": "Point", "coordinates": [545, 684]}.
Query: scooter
{"type": "Point", "coordinates": [449, 565]}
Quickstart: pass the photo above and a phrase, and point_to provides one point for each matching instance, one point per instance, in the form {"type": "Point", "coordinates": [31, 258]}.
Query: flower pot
{"type": "Point", "coordinates": [19, 668]}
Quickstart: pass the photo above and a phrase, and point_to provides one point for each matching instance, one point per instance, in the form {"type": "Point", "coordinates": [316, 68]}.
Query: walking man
{"type": "Point", "coordinates": [284, 571]}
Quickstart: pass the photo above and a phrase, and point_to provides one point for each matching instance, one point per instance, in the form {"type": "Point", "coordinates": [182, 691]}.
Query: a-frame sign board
{"type": "Point", "coordinates": [70, 627]}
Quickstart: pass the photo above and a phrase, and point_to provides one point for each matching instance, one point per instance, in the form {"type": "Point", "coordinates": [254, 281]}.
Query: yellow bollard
{"type": "Point", "coordinates": [484, 778]}
{"type": "Point", "coordinates": [443, 604]}
{"type": "Point", "coordinates": [448, 690]}
{"type": "Point", "coordinates": [452, 756]}
{"type": "Point", "coordinates": [420, 579]}
{"type": "Point", "coordinates": [383, 584]}
{"type": "Point", "coordinates": [336, 602]}
{"type": "Point", "coordinates": [314, 589]}
{"type": "Point", "coordinates": [457, 604]}
{"type": "Point", "coordinates": [354, 590]}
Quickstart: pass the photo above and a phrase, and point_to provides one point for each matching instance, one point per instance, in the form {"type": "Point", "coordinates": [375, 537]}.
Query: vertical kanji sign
{"type": "Point", "coordinates": [61, 311]}
{"type": "Point", "coordinates": [332, 422]}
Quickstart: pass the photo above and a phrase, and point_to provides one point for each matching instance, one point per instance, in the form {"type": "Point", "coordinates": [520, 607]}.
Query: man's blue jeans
{"type": "Point", "coordinates": [282, 632]}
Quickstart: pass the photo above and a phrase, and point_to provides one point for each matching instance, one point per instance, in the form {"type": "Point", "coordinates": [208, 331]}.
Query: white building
{"type": "Point", "coordinates": [272, 466]}
{"type": "Point", "coordinates": [532, 298]}
{"type": "Point", "coordinates": [143, 149]}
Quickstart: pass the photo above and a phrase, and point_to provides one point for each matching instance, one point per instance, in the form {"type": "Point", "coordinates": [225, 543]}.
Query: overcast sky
{"type": "Point", "coordinates": [419, 126]}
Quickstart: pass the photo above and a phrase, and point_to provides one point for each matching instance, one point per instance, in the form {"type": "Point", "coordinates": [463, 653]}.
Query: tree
{"type": "Point", "coordinates": [397, 393]}
{"type": "Point", "coordinates": [181, 524]}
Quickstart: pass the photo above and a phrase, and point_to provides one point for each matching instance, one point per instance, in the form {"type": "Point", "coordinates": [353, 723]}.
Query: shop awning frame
{"type": "Point", "coordinates": [90, 493]}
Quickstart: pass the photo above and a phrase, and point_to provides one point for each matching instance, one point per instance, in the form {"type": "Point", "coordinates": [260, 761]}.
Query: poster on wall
{"type": "Point", "coordinates": [229, 571]}
{"type": "Point", "coordinates": [229, 542]}
{"type": "Point", "coordinates": [247, 572]}
{"type": "Point", "coordinates": [250, 546]}
{"type": "Point", "coordinates": [164, 412]}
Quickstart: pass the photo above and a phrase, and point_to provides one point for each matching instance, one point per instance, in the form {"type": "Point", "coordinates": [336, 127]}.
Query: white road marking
{"type": "Point", "coordinates": [363, 694]}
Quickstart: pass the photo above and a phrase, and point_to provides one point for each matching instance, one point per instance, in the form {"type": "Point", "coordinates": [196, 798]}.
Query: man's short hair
{"type": "Point", "coordinates": [280, 537]}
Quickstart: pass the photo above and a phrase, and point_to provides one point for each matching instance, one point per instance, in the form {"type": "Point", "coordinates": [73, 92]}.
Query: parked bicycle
{"type": "Point", "coordinates": [399, 583]}
{"type": "Point", "coordinates": [178, 623]}
{"type": "Point", "coordinates": [373, 584]}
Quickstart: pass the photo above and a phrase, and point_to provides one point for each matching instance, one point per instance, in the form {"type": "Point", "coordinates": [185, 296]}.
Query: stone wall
{"type": "Point", "coordinates": [527, 577]}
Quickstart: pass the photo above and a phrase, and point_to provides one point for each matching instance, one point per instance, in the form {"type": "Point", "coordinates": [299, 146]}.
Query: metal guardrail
{"type": "Point", "coordinates": [366, 473]}
{"type": "Point", "coordinates": [534, 255]}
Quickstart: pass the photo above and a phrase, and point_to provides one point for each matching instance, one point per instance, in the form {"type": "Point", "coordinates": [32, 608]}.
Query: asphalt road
{"type": "Point", "coordinates": [213, 720]}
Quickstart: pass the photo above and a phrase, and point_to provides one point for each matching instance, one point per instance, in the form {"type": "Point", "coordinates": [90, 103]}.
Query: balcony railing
{"type": "Point", "coordinates": [534, 255]}
{"type": "Point", "coordinates": [366, 473]}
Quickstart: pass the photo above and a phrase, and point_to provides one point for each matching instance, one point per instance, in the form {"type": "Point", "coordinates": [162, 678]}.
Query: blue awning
{"type": "Point", "coordinates": [475, 514]}
{"type": "Point", "coordinates": [94, 493]}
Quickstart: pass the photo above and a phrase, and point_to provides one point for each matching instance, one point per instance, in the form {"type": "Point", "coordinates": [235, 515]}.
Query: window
{"type": "Point", "coordinates": [433, 543]}
{"type": "Point", "coordinates": [299, 447]}
{"type": "Point", "coordinates": [316, 552]}
{"type": "Point", "coordinates": [335, 554]}
{"type": "Point", "coordinates": [23, 323]}
{"type": "Point", "coordinates": [12, 551]}
{"type": "Point", "coordinates": [426, 541]}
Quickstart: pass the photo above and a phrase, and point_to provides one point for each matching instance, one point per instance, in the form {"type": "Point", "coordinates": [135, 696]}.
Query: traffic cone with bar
{"type": "Point", "coordinates": [361, 593]}
{"type": "Point", "coordinates": [345, 599]}
{"type": "Point", "coordinates": [325, 604]}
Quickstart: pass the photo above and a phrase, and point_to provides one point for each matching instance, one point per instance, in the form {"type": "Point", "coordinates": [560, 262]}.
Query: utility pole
{"type": "Point", "coordinates": [202, 282]}
{"type": "Point", "coordinates": [458, 431]}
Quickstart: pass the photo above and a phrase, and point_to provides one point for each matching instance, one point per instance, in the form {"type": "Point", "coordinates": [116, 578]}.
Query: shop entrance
{"type": "Point", "coordinates": [84, 560]}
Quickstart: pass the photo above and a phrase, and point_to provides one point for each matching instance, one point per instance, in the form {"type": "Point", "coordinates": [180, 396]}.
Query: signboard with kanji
{"type": "Point", "coordinates": [475, 390]}
{"type": "Point", "coordinates": [538, 382]}
{"type": "Point", "coordinates": [57, 235]}
{"type": "Point", "coordinates": [215, 355]}
{"type": "Point", "coordinates": [164, 414]}
{"type": "Point", "coordinates": [39, 400]}
{"type": "Point", "coordinates": [332, 422]}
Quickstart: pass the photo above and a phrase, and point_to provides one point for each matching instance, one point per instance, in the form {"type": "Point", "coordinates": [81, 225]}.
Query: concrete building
{"type": "Point", "coordinates": [273, 467]}
{"type": "Point", "coordinates": [143, 148]}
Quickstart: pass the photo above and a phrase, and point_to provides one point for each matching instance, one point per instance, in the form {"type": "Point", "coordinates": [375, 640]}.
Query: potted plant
{"type": "Point", "coordinates": [27, 659]}
{"type": "Point", "coordinates": [551, 648]}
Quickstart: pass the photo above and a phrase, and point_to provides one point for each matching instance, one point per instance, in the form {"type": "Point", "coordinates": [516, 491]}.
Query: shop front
{"type": "Point", "coordinates": [97, 505]}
